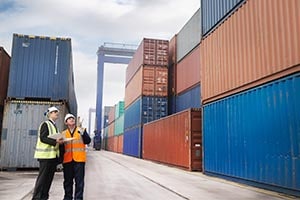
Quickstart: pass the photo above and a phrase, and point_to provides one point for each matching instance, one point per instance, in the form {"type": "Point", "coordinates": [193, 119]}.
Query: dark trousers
{"type": "Point", "coordinates": [73, 170]}
{"type": "Point", "coordinates": [44, 179]}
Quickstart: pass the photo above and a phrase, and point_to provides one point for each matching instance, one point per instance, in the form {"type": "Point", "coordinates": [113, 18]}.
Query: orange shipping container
{"type": "Point", "coordinates": [150, 52]}
{"type": "Point", "coordinates": [175, 140]}
{"type": "Point", "coordinates": [188, 71]}
{"type": "Point", "coordinates": [148, 81]}
{"type": "Point", "coordinates": [111, 129]}
{"type": "Point", "coordinates": [120, 144]}
{"type": "Point", "coordinates": [258, 43]}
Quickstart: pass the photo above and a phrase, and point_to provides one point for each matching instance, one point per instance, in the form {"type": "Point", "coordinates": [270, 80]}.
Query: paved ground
{"type": "Point", "coordinates": [112, 176]}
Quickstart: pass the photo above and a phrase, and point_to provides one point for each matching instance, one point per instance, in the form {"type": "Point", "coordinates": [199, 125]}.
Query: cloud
{"type": "Point", "coordinates": [89, 24]}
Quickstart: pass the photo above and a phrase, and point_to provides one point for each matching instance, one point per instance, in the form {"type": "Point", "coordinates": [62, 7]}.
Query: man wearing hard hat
{"type": "Point", "coordinates": [74, 157]}
{"type": "Point", "coordinates": [47, 153]}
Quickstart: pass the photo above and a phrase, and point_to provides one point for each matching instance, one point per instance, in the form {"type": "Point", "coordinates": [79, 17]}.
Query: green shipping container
{"type": "Point", "coordinates": [119, 109]}
{"type": "Point", "coordinates": [119, 125]}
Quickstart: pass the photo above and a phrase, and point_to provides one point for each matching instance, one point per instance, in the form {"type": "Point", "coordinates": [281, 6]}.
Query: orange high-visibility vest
{"type": "Point", "coordinates": [74, 149]}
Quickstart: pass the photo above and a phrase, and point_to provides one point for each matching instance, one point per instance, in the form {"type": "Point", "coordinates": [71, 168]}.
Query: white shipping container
{"type": "Point", "coordinates": [21, 122]}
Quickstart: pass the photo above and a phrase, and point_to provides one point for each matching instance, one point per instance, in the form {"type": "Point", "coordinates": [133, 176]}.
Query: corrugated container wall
{"type": "Point", "coordinates": [119, 125]}
{"type": "Point", "coordinates": [21, 122]}
{"type": "Point", "coordinates": [4, 73]}
{"type": "Point", "coordinates": [172, 66]}
{"type": "Point", "coordinates": [111, 115]}
{"type": "Point", "coordinates": [188, 99]}
{"type": "Point", "coordinates": [145, 109]}
{"type": "Point", "coordinates": [188, 71]}
{"type": "Point", "coordinates": [148, 81]}
{"type": "Point", "coordinates": [258, 43]}
{"type": "Point", "coordinates": [105, 117]}
{"type": "Point", "coordinates": [189, 36]}
{"type": "Point", "coordinates": [119, 110]}
{"type": "Point", "coordinates": [133, 141]}
{"type": "Point", "coordinates": [175, 140]}
{"type": "Point", "coordinates": [216, 11]}
{"type": "Point", "coordinates": [41, 69]}
{"type": "Point", "coordinates": [255, 135]}
{"type": "Point", "coordinates": [150, 52]}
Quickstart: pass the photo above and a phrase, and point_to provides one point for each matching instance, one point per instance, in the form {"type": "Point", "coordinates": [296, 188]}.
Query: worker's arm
{"type": "Point", "coordinates": [44, 135]}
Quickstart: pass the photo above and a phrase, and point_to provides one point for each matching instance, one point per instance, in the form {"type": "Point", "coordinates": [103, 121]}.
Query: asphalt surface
{"type": "Point", "coordinates": [112, 176]}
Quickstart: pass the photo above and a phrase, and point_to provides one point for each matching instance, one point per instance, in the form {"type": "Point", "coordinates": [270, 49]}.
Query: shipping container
{"type": "Point", "coordinates": [4, 73]}
{"type": "Point", "coordinates": [41, 69]}
{"type": "Point", "coordinates": [148, 81]}
{"type": "Point", "coordinates": [111, 115]}
{"type": "Point", "coordinates": [145, 109]}
{"type": "Point", "coordinates": [119, 125]}
{"type": "Point", "coordinates": [175, 140]}
{"type": "Point", "coordinates": [111, 129]}
{"type": "Point", "coordinates": [119, 110]}
{"type": "Point", "coordinates": [21, 122]}
{"type": "Point", "coordinates": [132, 141]}
{"type": "Point", "coordinates": [120, 144]}
{"type": "Point", "coordinates": [256, 44]}
{"type": "Point", "coordinates": [255, 135]}
{"type": "Point", "coordinates": [172, 66]}
{"type": "Point", "coordinates": [189, 36]}
{"type": "Point", "coordinates": [214, 12]}
{"type": "Point", "coordinates": [150, 52]}
{"type": "Point", "coordinates": [188, 99]}
{"type": "Point", "coordinates": [188, 71]}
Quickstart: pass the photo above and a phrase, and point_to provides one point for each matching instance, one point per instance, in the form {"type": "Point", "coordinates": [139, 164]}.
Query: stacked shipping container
{"type": "Point", "coordinates": [249, 90]}
{"type": "Point", "coordinates": [115, 128]}
{"type": "Point", "coordinates": [146, 91]}
{"type": "Point", "coordinates": [41, 75]}
{"type": "Point", "coordinates": [4, 72]}
{"type": "Point", "coordinates": [185, 66]}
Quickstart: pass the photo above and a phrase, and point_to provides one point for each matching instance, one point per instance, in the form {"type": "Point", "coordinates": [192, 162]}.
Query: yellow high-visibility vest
{"type": "Point", "coordinates": [43, 150]}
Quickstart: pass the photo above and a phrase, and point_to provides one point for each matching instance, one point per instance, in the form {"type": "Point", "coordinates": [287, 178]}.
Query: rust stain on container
{"type": "Point", "coordinates": [148, 81]}
{"type": "Point", "coordinates": [150, 52]}
{"type": "Point", "coordinates": [188, 71]}
{"type": "Point", "coordinates": [258, 43]}
{"type": "Point", "coordinates": [175, 140]}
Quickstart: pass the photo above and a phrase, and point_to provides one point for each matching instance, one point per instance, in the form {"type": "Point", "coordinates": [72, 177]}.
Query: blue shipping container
{"type": "Point", "coordinates": [188, 99]}
{"type": "Point", "coordinates": [255, 135]}
{"type": "Point", "coordinates": [132, 142]}
{"type": "Point", "coordinates": [41, 68]}
{"type": "Point", "coordinates": [145, 109]}
{"type": "Point", "coordinates": [216, 11]}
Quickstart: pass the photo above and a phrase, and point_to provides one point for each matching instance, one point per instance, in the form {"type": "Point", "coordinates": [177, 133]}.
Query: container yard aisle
{"type": "Point", "coordinates": [115, 176]}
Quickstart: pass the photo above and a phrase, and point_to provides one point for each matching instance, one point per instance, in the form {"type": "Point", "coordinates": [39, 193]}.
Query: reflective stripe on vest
{"type": "Point", "coordinates": [74, 149]}
{"type": "Point", "coordinates": [43, 150]}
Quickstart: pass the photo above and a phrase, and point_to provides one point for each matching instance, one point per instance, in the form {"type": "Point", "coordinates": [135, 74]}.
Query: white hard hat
{"type": "Point", "coordinates": [51, 109]}
{"type": "Point", "coordinates": [69, 116]}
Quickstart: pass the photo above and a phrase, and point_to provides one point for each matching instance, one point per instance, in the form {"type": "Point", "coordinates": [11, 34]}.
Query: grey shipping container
{"type": "Point", "coordinates": [214, 12]}
{"type": "Point", "coordinates": [41, 69]}
{"type": "Point", "coordinates": [21, 122]}
{"type": "Point", "coordinates": [189, 36]}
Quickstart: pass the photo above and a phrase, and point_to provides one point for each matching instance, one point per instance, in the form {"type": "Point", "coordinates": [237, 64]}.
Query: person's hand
{"type": "Point", "coordinates": [81, 130]}
{"type": "Point", "coordinates": [60, 140]}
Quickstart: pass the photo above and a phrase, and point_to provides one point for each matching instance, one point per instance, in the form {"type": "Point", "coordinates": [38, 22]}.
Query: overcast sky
{"type": "Point", "coordinates": [90, 23]}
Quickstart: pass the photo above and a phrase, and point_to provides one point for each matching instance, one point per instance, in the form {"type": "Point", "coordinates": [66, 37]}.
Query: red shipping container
{"type": "Point", "coordinates": [120, 144]}
{"type": "Point", "coordinates": [188, 71]}
{"type": "Point", "coordinates": [175, 140]}
{"type": "Point", "coordinates": [111, 115]}
{"type": "Point", "coordinates": [150, 52]}
{"type": "Point", "coordinates": [148, 81]}
{"type": "Point", "coordinates": [172, 65]}
{"type": "Point", "coordinates": [4, 74]}
{"type": "Point", "coordinates": [256, 44]}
